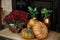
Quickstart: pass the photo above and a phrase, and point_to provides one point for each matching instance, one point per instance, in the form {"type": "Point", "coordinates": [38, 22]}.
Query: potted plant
{"type": "Point", "coordinates": [15, 20]}
{"type": "Point", "coordinates": [33, 13]}
{"type": "Point", "coordinates": [46, 14]}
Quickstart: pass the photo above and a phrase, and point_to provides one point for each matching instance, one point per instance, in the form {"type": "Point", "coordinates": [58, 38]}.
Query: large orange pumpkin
{"type": "Point", "coordinates": [40, 30]}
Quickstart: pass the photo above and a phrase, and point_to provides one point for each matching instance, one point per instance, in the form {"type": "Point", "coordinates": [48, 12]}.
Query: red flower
{"type": "Point", "coordinates": [16, 15]}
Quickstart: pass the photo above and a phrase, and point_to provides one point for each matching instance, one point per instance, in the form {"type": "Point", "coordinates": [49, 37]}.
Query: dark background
{"type": "Point", "coordinates": [50, 4]}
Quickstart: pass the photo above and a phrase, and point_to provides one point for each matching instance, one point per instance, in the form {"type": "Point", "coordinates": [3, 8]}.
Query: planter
{"type": "Point", "coordinates": [15, 29]}
{"type": "Point", "coordinates": [46, 20]}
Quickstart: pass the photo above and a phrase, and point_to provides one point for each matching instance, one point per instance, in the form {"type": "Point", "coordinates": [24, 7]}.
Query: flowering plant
{"type": "Point", "coordinates": [45, 12]}
{"type": "Point", "coordinates": [16, 17]}
{"type": "Point", "coordinates": [32, 11]}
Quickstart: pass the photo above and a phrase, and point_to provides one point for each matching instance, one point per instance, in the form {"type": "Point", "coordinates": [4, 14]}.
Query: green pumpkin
{"type": "Point", "coordinates": [27, 33]}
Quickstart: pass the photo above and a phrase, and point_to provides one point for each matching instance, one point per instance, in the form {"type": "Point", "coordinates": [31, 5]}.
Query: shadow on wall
{"type": "Point", "coordinates": [3, 14]}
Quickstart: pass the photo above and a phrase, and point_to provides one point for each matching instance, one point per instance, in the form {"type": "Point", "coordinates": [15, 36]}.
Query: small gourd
{"type": "Point", "coordinates": [27, 33]}
{"type": "Point", "coordinates": [31, 22]}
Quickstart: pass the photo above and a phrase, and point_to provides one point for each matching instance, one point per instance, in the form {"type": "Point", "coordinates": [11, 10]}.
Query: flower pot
{"type": "Point", "coordinates": [46, 20]}
{"type": "Point", "coordinates": [15, 29]}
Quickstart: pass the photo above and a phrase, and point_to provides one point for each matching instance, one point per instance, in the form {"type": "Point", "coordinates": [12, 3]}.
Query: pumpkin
{"type": "Point", "coordinates": [40, 30]}
{"type": "Point", "coordinates": [27, 33]}
{"type": "Point", "coordinates": [31, 22]}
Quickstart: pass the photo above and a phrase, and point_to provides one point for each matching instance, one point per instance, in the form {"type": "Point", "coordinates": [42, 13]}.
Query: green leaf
{"type": "Point", "coordinates": [10, 22]}
{"type": "Point", "coordinates": [32, 11]}
{"type": "Point", "coordinates": [18, 23]}
{"type": "Point", "coordinates": [35, 9]}
{"type": "Point", "coordinates": [45, 12]}
{"type": "Point", "coordinates": [30, 8]}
